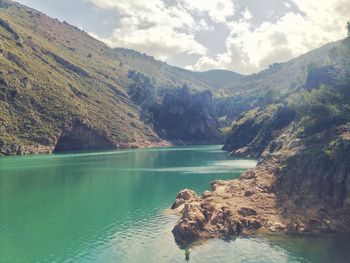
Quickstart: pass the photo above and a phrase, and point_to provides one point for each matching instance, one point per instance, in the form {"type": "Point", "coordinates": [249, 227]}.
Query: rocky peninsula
{"type": "Point", "coordinates": [300, 185]}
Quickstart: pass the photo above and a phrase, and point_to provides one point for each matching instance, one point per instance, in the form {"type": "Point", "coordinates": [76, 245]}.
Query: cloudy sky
{"type": "Point", "coordinates": [240, 35]}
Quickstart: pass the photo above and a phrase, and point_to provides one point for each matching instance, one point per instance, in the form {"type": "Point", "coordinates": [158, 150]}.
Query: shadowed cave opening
{"type": "Point", "coordinates": [68, 144]}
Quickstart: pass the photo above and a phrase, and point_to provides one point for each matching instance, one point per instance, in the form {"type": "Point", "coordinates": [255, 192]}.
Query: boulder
{"type": "Point", "coordinates": [183, 197]}
{"type": "Point", "coordinates": [247, 211]}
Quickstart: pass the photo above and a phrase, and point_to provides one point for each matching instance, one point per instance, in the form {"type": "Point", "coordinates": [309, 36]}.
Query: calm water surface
{"type": "Point", "coordinates": [113, 207]}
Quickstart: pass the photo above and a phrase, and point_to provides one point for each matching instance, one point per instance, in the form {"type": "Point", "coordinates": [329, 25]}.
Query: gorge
{"type": "Point", "coordinates": [65, 93]}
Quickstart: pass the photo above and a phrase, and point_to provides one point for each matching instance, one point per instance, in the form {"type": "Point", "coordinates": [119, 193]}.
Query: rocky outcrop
{"type": "Point", "coordinates": [254, 130]}
{"type": "Point", "coordinates": [313, 187]}
{"type": "Point", "coordinates": [82, 137]}
{"type": "Point", "coordinates": [232, 208]}
{"type": "Point", "coordinates": [179, 115]}
{"type": "Point", "coordinates": [320, 75]}
{"type": "Point", "coordinates": [301, 184]}
{"type": "Point", "coordinates": [9, 28]}
{"type": "Point", "coordinates": [184, 197]}
{"type": "Point", "coordinates": [294, 195]}
{"type": "Point", "coordinates": [186, 117]}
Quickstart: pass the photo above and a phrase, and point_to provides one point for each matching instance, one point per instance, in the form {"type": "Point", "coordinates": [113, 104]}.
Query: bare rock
{"type": "Point", "coordinates": [183, 197]}
{"type": "Point", "coordinates": [247, 211]}
{"type": "Point", "coordinates": [190, 226]}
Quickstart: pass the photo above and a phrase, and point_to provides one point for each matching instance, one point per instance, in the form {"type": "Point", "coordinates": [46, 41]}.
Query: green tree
{"type": "Point", "coordinates": [348, 27]}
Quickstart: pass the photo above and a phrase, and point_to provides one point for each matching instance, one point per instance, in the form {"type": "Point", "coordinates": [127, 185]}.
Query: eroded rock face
{"type": "Point", "coordinates": [313, 189]}
{"type": "Point", "coordinates": [185, 117]}
{"type": "Point", "coordinates": [81, 137]}
{"type": "Point", "coordinates": [254, 130]}
{"type": "Point", "coordinates": [228, 211]}
{"type": "Point", "coordinates": [184, 197]}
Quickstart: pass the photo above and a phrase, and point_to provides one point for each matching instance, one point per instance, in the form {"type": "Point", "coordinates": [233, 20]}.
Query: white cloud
{"type": "Point", "coordinates": [159, 41]}
{"type": "Point", "coordinates": [218, 10]}
{"type": "Point", "coordinates": [252, 49]}
{"type": "Point", "coordinates": [247, 15]}
{"type": "Point", "coordinates": [167, 28]}
{"type": "Point", "coordinates": [163, 30]}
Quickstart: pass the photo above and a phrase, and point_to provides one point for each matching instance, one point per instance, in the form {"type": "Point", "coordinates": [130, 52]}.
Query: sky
{"type": "Point", "coordinates": [244, 36]}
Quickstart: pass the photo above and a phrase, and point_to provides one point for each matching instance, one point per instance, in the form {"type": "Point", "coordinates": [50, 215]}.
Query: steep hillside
{"type": "Point", "coordinates": [301, 183]}
{"type": "Point", "coordinates": [61, 87]}
{"type": "Point", "coordinates": [280, 80]}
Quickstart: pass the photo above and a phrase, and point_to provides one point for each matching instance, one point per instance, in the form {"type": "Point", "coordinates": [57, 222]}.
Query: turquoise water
{"type": "Point", "coordinates": [113, 207]}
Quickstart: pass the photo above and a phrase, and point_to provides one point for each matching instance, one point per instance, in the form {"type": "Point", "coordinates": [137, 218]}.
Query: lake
{"type": "Point", "coordinates": [114, 207]}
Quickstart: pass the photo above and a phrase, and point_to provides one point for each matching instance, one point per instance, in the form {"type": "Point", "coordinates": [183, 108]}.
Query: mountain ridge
{"type": "Point", "coordinates": [56, 79]}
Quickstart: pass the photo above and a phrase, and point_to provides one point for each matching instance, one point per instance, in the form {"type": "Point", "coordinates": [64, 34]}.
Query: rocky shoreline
{"type": "Point", "coordinates": [231, 208]}
{"type": "Point", "coordinates": [243, 206]}
{"type": "Point", "coordinates": [8, 150]}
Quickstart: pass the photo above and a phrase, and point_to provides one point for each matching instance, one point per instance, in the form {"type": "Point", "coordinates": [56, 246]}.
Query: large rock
{"type": "Point", "coordinates": [184, 197]}
{"type": "Point", "coordinates": [254, 130]}
{"type": "Point", "coordinates": [187, 117]}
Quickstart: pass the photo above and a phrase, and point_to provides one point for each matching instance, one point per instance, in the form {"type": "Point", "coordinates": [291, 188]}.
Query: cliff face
{"type": "Point", "coordinates": [315, 186]}
{"type": "Point", "coordinates": [187, 118]}
{"type": "Point", "coordinates": [255, 129]}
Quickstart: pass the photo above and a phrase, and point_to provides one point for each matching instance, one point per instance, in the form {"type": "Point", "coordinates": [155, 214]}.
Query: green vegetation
{"type": "Point", "coordinates": [52, 75]}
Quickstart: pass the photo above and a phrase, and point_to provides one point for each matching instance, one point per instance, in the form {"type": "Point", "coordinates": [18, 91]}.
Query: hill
{"type": "Point", "coordinates": [61, 89]}
{"type": "Point", "coordinates": [60, 86]}
{"type": "Point", "coordinates": [301, 183]}
{"type": "Point", "coordinates": [221, 78]}
{"type": "Point", "coordinates": [280, 80]}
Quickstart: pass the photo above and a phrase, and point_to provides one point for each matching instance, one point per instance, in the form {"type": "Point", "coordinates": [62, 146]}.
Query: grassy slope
{"type": "Point", "coordinates": [60, 74]}
{"type": "Point", "coordinates": [41, 95]}
{"type": "Point", "coordinates": [280, 80]}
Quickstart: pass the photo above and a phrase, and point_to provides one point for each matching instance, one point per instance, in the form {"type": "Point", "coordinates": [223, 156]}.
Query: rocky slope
{"type": "Point", "coordinates": [301, 184]}
{"type": "Point", "coordinates": [53, 76]}
{"type": "Point", "coordinates": [60, 88]}
{"type": "Point", "coordinates": [288, 192]}
{"type": "Point", "coordinates": [255, 129]}
{"type": "Point", "coordinates": [185, 117]}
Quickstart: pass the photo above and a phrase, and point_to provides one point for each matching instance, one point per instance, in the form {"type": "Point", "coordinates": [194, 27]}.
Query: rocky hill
{"type": "Point", "coordinates": [301, 184]}
{"type": "Point", "coordinates": [280, 80]}
{"type": "Point", "coordinates": [61, 89]}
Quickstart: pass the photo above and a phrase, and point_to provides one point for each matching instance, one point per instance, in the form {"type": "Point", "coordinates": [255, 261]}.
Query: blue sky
{"type": "Point", "coordinates": [240, 35]}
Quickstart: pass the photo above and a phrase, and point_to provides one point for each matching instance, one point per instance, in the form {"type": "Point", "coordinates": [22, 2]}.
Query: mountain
{"type": "Point", "coordinates": [221, 78]}
{"type": "Point", "coordinates": [61, 89]}
{"type": "Point", "coordinates": [280, 79]}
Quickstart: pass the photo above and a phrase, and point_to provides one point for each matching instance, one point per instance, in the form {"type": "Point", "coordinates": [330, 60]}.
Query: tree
{"type": "Point", "coordinates": [348, 27]}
